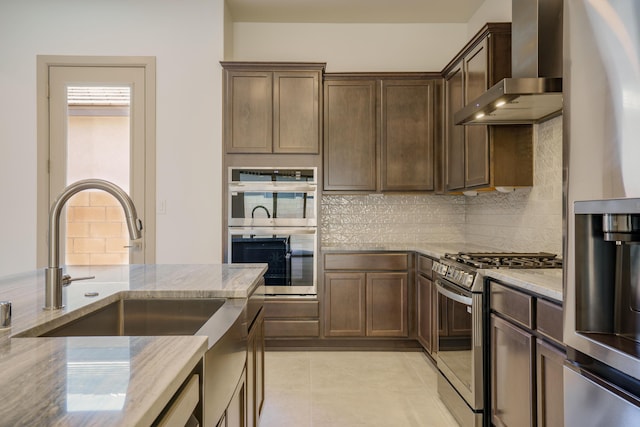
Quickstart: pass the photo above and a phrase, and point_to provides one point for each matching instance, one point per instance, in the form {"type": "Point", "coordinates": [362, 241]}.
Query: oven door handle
{"type": "Point", "coordinates": [452, 295]}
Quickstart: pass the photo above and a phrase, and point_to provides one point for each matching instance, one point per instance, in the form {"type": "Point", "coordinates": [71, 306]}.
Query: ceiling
{"type": "Point", "coordinates": [354, 11]}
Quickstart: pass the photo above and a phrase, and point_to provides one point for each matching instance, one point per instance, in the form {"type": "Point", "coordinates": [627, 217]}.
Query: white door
{"type": "Point", "coordinates": [97, 130]}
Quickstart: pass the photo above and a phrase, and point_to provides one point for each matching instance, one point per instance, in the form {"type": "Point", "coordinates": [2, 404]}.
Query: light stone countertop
{"type": "Point", "coordinates": [63, 381]}
{"type": "Point", "coordinates": [435, 250]}
{"type": "Point", "coordinates": [545, 281]}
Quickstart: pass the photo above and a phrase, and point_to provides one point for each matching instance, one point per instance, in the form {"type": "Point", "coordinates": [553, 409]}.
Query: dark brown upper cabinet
{"type": "Point", "coordinates": [483, 157]}
{"type": "Point", "coordinates": [272, 107]}
{"type": "Point", "coordinates": [378, 132]}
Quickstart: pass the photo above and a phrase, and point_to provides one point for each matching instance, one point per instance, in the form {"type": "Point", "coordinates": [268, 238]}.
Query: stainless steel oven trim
{"type": "Point", "coordinates": [474, 393]}
{"type": "Point", "coordinates": [313, 168]}
{"type": "Point", "coordinates": [273, 222]}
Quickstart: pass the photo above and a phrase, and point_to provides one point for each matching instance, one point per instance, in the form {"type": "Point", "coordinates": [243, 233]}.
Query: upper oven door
{"type": "Point", "coordinates": [460, 350]}
{"type": "Point", "coordinates": [272, 197]}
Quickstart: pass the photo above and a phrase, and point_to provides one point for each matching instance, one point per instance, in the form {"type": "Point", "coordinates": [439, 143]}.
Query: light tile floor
{"type": "Point", "coordinates": [344, 389]}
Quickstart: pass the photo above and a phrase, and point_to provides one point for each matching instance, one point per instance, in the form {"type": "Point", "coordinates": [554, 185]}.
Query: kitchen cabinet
{"type": "Point", "coordinates": [289, 319]}
{"type": "Point", "coordinates": [272, 107]}
{"type": "Point", "coordinates": [526, 359]}
{"type": "Point", "coordinates": [366, 294]}
{"type": "Point", "coordinates": [483, 157]}
{"type": "Point", "coordinates": [255, 371]}
{"type": "Point", "coordinates": [182, 408]}
{"type": "Point", "coordinates": [512, 358]}
{"type": "Point", "coordinates": [426, 312]}
{"type": "Point", "coordinates": [379, 132]}
{"type": "Point", "coordinates": [236, 415]}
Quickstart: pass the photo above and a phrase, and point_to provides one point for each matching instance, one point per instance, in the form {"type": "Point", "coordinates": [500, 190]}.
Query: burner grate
{"type": "Point", "coordinates": [506, 259]}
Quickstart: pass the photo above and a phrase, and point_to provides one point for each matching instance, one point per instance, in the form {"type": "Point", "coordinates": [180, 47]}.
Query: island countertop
{"type": "Point", "coordinates": [44, 380]}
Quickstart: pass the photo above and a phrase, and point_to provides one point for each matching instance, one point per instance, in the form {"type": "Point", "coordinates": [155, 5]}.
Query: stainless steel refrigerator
{"type": "Point", "coordinates": [601, 83]}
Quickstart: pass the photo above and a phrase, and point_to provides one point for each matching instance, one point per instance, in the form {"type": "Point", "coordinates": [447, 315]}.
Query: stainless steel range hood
{"type": "Point", "coordinates": [534, 92]}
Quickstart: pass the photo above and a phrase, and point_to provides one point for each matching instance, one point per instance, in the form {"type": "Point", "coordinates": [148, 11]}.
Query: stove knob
{"type": "Point", "coordinates": [465, 278]}
{"type": "Point", "coordinates": [469, 280]}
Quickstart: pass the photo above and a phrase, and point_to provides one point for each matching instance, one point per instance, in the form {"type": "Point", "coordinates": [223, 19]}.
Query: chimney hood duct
{"type": "Point", "coordinates": [534, 92]}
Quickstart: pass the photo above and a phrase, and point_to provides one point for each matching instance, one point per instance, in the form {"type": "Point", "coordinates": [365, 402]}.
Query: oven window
{"type": "Point", "coordinates": [291, 257]}
{"type": "Point", "coordinates": [271, 204]}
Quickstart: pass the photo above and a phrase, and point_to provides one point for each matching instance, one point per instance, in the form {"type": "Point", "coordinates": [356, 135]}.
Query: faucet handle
{"type": "Point", "coordinates": [66, 279]}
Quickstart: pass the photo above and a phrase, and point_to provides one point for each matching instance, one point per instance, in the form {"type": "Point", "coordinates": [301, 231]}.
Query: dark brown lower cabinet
{"type": "Point", "coordinates": [255, 371]}
{"type": "Point", "coordinates": [386, 308]}
{"type": "Point", "coordinates": [550, 389]}
{"type": "Point", "coordinates": [235, 415]}
{"type": "Point", "coordinates": [527, 358]}
{"type": "Point", "coordinates": [345, 304]}
{"type": "Point", "coordinates": [366, 304]}
{"type": "Point", "coordinates": [426, 308]}
{"type": "Point", "coordinates": [512, 390]}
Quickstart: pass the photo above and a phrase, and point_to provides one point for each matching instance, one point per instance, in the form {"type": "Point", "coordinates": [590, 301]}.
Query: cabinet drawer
{"type": "Point", "coordinates": [367, 261]}
{"type": "Point", "coordinates": [291, 328]}
{"type": "Point", "coordinates": [549, 320]}
{"type": "Point", "coordinates": [424, 265]}
{"type": "Point", "coordinates": [184, 403]}
{"type": "Point", "coordinates": [515, 305]}
{"type": "Point", "coordinates": [291, 309]}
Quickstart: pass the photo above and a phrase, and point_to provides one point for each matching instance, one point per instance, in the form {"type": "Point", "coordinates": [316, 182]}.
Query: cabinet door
{"type": "Point", "coordinates": [350, 135]}
{"type": "Point", "coordinates": [387, 314]}
{"type": "Point", "coordinates": [454, 135]}
{"type": "Point", "coordinates": [425, 305]}
{"type": "Point", "coordinates": [296, 115]}
{"type": "Point", "coordinates": [477, 137]}
{"type": "Point", "coordinates": [251, 378]}
{"type": "Point", "coordinates": [255, 371]}
{"type": "Point", "coordinates": [248, 112]}
{"type": "Point", "coordinates": [236, 415]}
{"type": "Point", "coordinates": [344, 304]}
{"type": "Point", "coordinates": [512, 382]}
{"type": "Point", "coordinates": [406, 112]}
{"type": "Point", "coordinates": [550, 385]}
{"type": "Point", "coordinates": [259, 383]}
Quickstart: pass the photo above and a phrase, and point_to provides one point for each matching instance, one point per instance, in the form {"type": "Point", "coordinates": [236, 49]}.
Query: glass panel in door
{"type": "Point", "coordinates": [98, 145]}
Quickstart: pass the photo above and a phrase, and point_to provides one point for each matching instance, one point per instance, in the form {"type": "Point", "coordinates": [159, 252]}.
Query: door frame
{"type": "Point", "coordinates": [43, 62]}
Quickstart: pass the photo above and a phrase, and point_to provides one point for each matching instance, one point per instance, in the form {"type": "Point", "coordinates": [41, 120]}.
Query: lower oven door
{"type": "Point", "coordinates": [460, 341]}
{"type": "Point", "coordinates": [290, 253]}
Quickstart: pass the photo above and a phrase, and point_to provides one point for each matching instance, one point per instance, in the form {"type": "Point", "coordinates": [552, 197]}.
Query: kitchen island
{"type": "Point", "coordinates": [109, 380]}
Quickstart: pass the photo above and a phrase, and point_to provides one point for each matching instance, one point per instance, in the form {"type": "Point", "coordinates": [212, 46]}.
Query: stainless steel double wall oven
{"type": "Point", "coordinates": [272, 218]}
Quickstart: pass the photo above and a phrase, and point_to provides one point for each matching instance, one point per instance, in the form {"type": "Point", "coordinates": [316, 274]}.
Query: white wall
{"type": "Point", "coordinates": [351, 47]}
{"type": "Point", "coordinates": [490, 11]}
{"type": "Point", "coordinates": [187, 39]}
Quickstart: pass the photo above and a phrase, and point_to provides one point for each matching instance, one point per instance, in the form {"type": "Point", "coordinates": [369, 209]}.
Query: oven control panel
{"type": "Point", "coordinates": [455, 274]}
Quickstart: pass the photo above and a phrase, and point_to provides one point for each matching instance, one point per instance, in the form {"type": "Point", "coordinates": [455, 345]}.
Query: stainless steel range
{"type": "Point", "coordinates": [462, 331]}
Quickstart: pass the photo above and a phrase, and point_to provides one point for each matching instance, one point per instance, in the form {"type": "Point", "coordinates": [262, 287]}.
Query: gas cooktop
{"type": "Point", "coordinates": [505, 259]}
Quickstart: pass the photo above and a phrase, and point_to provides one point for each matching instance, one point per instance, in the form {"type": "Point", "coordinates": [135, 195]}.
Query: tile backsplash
{"type": "Point", "coordinates": [524, 220]}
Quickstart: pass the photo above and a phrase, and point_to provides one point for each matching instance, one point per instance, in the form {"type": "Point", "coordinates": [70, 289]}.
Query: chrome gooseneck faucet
{"type": "Point", "coordinates": [54, 280]}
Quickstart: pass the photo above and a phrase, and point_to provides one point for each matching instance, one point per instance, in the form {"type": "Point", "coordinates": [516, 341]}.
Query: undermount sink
{"type": "Point", "coordinates": [142, 317]}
